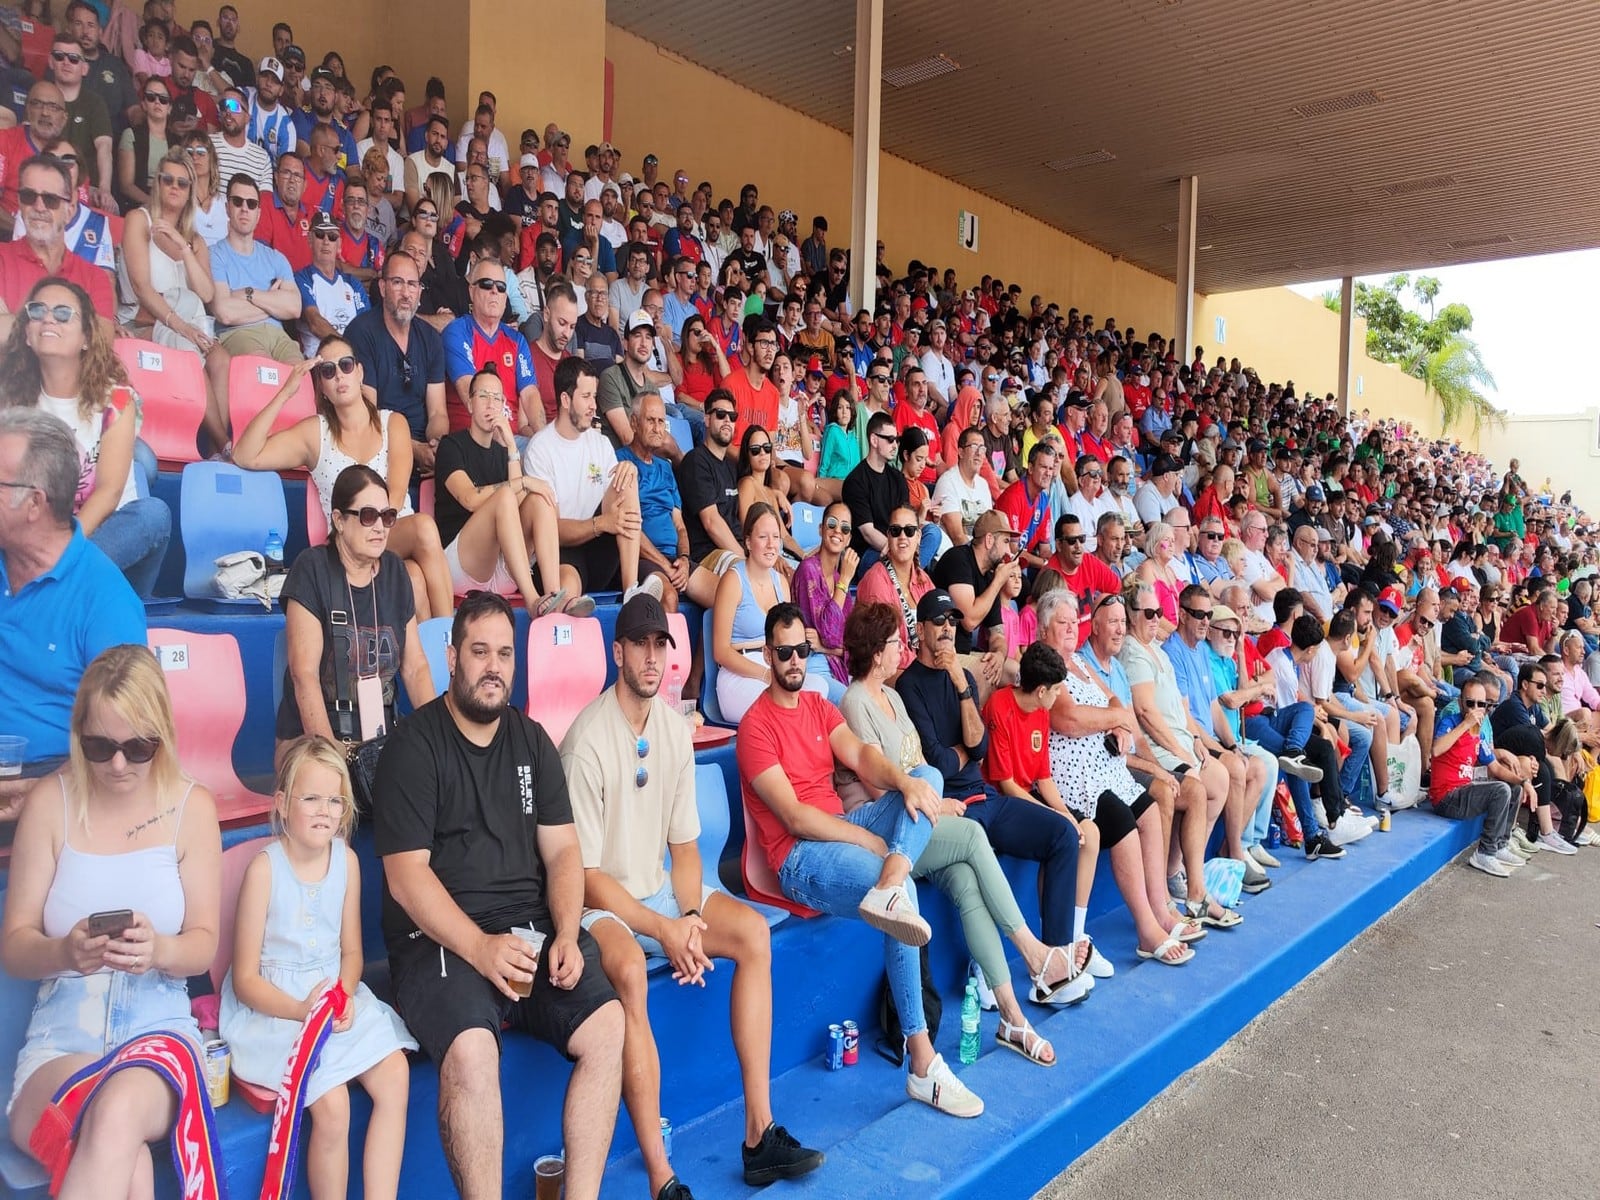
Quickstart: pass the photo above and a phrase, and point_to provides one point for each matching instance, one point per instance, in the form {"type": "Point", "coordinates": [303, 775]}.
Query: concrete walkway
{"type": "Point", "coordinates": [1453, 1050]}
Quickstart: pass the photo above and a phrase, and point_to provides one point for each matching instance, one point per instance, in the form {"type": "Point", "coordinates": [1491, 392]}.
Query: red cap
{"type": "Point", "coordinates": [814, 365]}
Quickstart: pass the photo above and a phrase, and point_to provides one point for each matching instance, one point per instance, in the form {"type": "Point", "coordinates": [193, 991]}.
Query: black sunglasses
{"type": "Point", "coordinates": [901, 530]}
{"type": "Point", "coordinates": [250, 202]}
{"type": "Point", "coordinates": [490, 285]}
{"type": "Point", "coordinates": [875, 378]}
{"type": "Point", "coordinates": [784, 653]}
{"type": "Point", "coordinates": [28, 197]}
{"type": "Point", "coordinates": [1076, 541]}
{"type": "Point", "coordinates": [369, 516]}
{"type": "Point", "coordinates": [157, 98]}
{"type": "Point", "coordinates": [327, 235]}
{"type": "Point", "coordinates": [944, 618]}
{"type": "Point", "coordinates": [721, 414]}
{"type": "Point", "coordinates": [1469, 705]}
{"type": "Point", "coordinates": [104, 749]}
{"type": "Point", "coordinates": [1150, 614]}
{"type": "Point", "coordinates": [66, 56]}
{"type": "Point", "coordinates": [343, 366]}
{"type": "Point", "coordinates": [762, 448]}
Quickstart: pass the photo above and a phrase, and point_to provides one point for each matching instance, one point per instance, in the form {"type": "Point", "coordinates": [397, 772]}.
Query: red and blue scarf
{"type": "Point", "coordinates": [284, 1148]}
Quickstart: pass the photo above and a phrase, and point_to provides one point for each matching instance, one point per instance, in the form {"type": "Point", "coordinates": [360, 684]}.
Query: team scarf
{"type": "Point", "coordinates": [194, 1132]}
{"type": "Point", "coordinates": [284, 1147]}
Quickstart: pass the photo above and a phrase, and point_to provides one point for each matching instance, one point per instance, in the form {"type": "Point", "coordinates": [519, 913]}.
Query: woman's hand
{"type": "Point", "coordinates": [135, 951]}
{"type": "Point", "coordinates": [85, 954]}
{"type": "Point", "coordinates": [849, 563]}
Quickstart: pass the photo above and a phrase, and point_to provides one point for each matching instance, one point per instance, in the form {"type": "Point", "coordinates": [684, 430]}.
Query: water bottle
{"type": "Point", "coordinates": [674, 688]}
{"type": "Point", "coordinates": [274, 552]}
{"type": "Point", "coordinates": [969, 1023]}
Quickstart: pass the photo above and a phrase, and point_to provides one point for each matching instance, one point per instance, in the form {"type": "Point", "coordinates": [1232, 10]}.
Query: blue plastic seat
{"type": "Point", "coordinates": [681, 433]}
{"type": "Point", "coordinates": [223, 508]}
{"type": "Point", "coordinates": [19, 1172]}
{"type": "Point", "coordinates": [708, 679]}
{"type": "Point", "coordinates": [435, 635]}
{"type": "Point", "coordinates": [806, 525]}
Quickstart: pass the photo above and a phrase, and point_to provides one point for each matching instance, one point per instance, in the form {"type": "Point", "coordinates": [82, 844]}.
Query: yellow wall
{"type": "Point", "coordinates": [1565, 448]}
{"type": "Point", "coordinates": [552, 69]}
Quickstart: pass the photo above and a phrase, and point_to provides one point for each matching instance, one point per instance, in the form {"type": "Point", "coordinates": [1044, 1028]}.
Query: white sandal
{"type": "Point", "coordinates": [1030, 1044]}
{"type": "Point", "coordinates": [1072, 989]}
{"type": "Point", "coordinates": [1159, 954]}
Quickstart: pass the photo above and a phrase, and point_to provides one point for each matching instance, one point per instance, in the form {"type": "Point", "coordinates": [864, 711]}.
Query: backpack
{"type": "Point", "coordinates": [892, 1039]}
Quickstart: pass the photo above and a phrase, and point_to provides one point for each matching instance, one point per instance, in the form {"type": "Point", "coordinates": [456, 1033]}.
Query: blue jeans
{"type": "Point", "coordinates": [1289, 728]}
{"type": "Point", "coordinates": [1256, 831]}
{"type": "Point", "coordinates": [1360, 739]}
{"type": "Point", "coordinates": [135, 538]}
{"type": "Point", "coordinates": [832, 877]}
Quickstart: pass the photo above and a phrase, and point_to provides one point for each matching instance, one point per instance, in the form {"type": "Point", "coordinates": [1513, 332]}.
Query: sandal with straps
{"type": "Point", "coordinates": [1030, 1045]}
{"type": "Point", "coordinates": [1163, 953]}
{"type": "Point", "coordinates": [1073, 988]}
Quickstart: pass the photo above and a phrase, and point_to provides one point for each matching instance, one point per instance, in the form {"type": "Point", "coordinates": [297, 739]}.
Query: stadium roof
{"type": "Point", "coordinates": [1330, 139]}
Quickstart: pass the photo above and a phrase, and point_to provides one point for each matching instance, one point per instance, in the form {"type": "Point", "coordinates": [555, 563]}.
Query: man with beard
{"type": "Point", "coordinates": [631, 814]}
{"type": "Point", "coordinates": [402, 358]}
{"type": "Point", "coordinates": [482, 899]}
{"type": "Point", "coordinates": [1084, 574]}
{"type": "Point", "coordinates": [550, 349]}
{"type": "Point", "coordinates": [46, 185]}
{"type": "Point", "coordinates": [234, 150]}
{"type": "Point", "coordinates": [46, 124]}
{"type": "Point", "coordinates": [708, 481]}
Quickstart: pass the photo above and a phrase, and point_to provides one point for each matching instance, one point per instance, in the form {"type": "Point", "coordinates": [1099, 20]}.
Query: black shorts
{"type": "Point", "coordinates": [440, 996]}
{"type": "Point", "coordinates": [596, 562]}
{"type": "Point", "coordinates": [1115, 819]}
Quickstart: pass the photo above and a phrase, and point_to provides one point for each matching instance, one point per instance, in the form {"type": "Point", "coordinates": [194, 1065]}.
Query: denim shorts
{"type": "Point", "coordinates": [664, 902]}
{"type": "Point", "coordinates": [94, 1014]}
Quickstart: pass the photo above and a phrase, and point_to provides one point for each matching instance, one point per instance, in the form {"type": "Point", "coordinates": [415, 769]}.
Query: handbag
{"type": "Point", "coordinates": [361, 756]}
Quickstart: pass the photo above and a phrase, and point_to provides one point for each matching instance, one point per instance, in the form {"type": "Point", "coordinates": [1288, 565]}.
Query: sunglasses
{"type": "Point", "coordinates": [1469, 705]}
{"type": "Point", "coordinates": [329, 235]}
{"type": "Point", "coordinates": [1198, 614]}
{"type": "Point", "coordinates": [874, 378]}
{"type": "Point", "coordinates": [250, 202]}
{"type": "Point", "coordinates": [369, 516]}
{"type": "Point", "coordinates": [66, 56]}
{"type": "Point", "coordinates": [490, 285]}
{"type": "Point", "coordinates": [230, 105]}
{"type": "Point", "coordinates": [1226, 634]}
{"type": "Point", "coordinates": [342, 366]}
{"type": "Point", "coordinates": [1150, 614]}
{"type": "Point", "coordinates": [426, 214]}
{"type": "Point", "coordinates": [197, 151]}
{"type": "Point", "coordinates": [28, 197]}
{"type": "Point", "coordinates": [104, 749]}
{"type": "Point", "coordinates": [784, 653]}
{"type": "Point", "coordinates": [887, 437]}
{"type": "Point", "coordinates": [642, 775]}
{"type": "Point", "coordinates": [721, 414]}
{"type": "Point", "coordinates": [183, 182]}
{"type": "Point", "coordinates": [763, 448]}
{"type": "Point", "coordinates": [945, 618]}
{"type": "Point", "coordinates": [838, 526]}
{"type": "Point", "coordinates": [38, 310]}
{"type": "Point", "coordinates": [901, 530]}
{"type": "Point", "coordinates": [157, 98]}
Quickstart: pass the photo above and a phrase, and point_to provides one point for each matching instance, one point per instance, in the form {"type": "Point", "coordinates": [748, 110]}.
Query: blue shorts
{"type": "Point", "coordinates": [664, 902]}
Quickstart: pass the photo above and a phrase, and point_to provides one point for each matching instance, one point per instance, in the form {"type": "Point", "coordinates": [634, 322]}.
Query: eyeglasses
{"type": "Point", "coordinates": [901, 530]}
{"type": "Point", "coordinates": [1199, 614]}
{"type": "Point", "coordinates": [490, 285]}
{"type": "Point", "coordinates": [838, 526]}
{"type": "Point", "coordinates": [765, 343]}
{"type": "Point", "coordinates": [642, 775]}
{"type": "Point", "coordinates": [344, 366]}
{"type": "Point", "coordinates": [66, 56]}
{"type": "Point", "coordinates": [1076, 541]}
{"type": "Point", "coordinates": [29, 197]}
{"type": "Point", "coordinates": [784, 653]}
{"type": "Point", "coordinates": [323, 802]}
{"type": "Point", "coordinates": [369, 516]}
{"type": "Point", "coordinates": [157, 98]}
{"type": "Point", "coordinates": [38, 310]}
{"type": "Point", "coordinates": [721, 414]}
{"type": "Point", "coordinates": [250, 202]}
{"type": "Point", "coordinates": [104, 749]}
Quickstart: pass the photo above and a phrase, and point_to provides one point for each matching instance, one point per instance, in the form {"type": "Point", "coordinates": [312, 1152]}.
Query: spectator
{"type": "Point", "coordinates": [664, 544]}
{"type": "Point", "coordinates": [479, 339]}
{"type": "Point", "coordinates": [60, 361]}
{"type": "Point", "coordinates": [1158, 494]}
{"type": "Point", "coordinates": [593, 338]}
{"type": "Point", "coordinates": [45, 192]}
{"type": "Point", "coordinates": [454, 901]}
{"type": "Point", "coordinates": [708, 480]}
{"type": "Point", "coordinates": [143, 146]}
{"type": "Point", "coordinates": [1026, 505]}
{"type": "Point", "coordinates": [858, 864]}
{"type": "Point", "coordinates": [88, 232]}
{"type": "Point", "coordinates": [232, 145]}
{"type": "Point", "coordinates": [976, 576]}
{"type": "Point", "coordinates": [873, 490]}
{"type": "Point", "coordinates": [88, 125]}
{"type": "Point", "coordinates": [762, 481]}
{"type": "Point", "coordinates": [1519, 722]}
{"type": "Point", "coordinates": [402, 359]}
{"type": "Point", "coordinates": [285, 223]}
{"type": "Point", "coordinates": [1454, 792]}
{"type": "Point", "coordinates": [70, 852]}
{"type": "Point", "coordinates": [185, 67]}
{"type": "Point", "coordinates": [1087, 577]}
{"type": "Point", "coordinates": [822, 586]}
{"type": "Point", "coordinates": [961, 493]}
{"type": "Point", "coordinates": [330, 297]}
{"type": "Point", "coordinates": [59, 590]}
{"type": "Point", "coordinates": [255, 289]}
{"type": "Point", "coordinates": [271, 124]}
{"type": "Point", "coordinates": [44, 124]}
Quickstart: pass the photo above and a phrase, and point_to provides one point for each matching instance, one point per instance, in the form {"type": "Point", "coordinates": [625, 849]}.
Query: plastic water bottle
{"type": "Point", "coordinates": [674, 689]}
{"type": "Point", "coordinates": [969, 1023]}
{"type": "Point", "coordinates": [274, 552]}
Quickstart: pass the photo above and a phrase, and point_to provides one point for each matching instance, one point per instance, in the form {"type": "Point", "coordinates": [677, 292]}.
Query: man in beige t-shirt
{"type": "Point", "coordinates": [629, 762]}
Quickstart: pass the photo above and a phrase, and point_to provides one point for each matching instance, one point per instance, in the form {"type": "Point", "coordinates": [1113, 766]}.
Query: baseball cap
{"type": "Point", "coordinates": [320, 73]}
{"type": "Point", "coordinates": [641, 320]}
{"type": "Point", "coordinates": [649, 158]}
{"type": "Point", "coordinates": [625, 178]}
{"type": "Point", "coordinates": [934, 604]}
{"type": "Point", "coordinates": [607, 148]}
{"type": "Point", "coordinates": [528, 160]}
{"type": "Point", "coordinates": [271, 66]}
{"type": "Point", "coordinates": [1164, 464]}
{"type": "Point", "coordinates": [322, 222]}
{"type": "Point", "coordinates": [641, 616]}
{"type": "Point", "coordinates": [1323, 535]}
{"type": "Point", "coordinates": [295, 53]}
{"type": "Point", "coordinates": [1390, 600]}
{"type": "Point", "coordinates": [1315, 492]}
{"type": "Point", "coordinates": [1255, 445]}
{"type": "Point", "coordinates": [814, 365]}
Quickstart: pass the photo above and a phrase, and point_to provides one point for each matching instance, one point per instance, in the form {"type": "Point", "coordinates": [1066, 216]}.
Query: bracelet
{"type": "Point", "coordinates": [693, 912]}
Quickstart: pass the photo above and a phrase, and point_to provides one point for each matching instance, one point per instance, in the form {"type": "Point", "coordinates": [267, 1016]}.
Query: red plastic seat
{"type": "Point", "coordinates": [37, 38]}
{"type": "Point", "coordinates": [172, 389]}
{"type": "Point", "coordinates": [205, 678]}
{"type": "Point", "coordinates": [682, 657]}
{"type": "Point", "coordinates": [566, 670]}
{"type": "Point", "coordinates": [234, 861]}
{"type": "Point", "coordinates": [760, 880]}
{"type": "Point", "coordinates": [253, 380]}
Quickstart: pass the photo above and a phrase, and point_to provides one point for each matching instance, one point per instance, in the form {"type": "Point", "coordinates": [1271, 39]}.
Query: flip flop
{"type": "Point", "coordinates": [549, 604]}
{"type": "Point", "coordinates": [1159, 954]}
{"type": "Point", "coordinates": [1030, 1044]}
{"type": "Point", "coordinates": [1189, 931]}
{"type": "Point", "coordinates": [579, 606]}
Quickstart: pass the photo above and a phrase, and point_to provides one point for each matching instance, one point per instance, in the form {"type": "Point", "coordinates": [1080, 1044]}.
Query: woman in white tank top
{"type": "Point", "coordinates": [349, 428]}
{"type": "Point", "coordinates": [120, 828]}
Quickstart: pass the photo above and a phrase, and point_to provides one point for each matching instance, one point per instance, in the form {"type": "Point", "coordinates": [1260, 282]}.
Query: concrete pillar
{"type": "Point", "coordinates": [1183, 307]}
{"type": "Point", "coordinates": [864, 175]}
{"type": "Point", "coordinates": [1347, 332]}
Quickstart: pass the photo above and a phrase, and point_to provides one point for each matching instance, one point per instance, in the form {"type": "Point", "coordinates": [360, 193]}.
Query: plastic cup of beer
{"type": "Point", "coordinates": [13, 753]}
{"type": "Point", "coordinates": [549, 1173]}
{"type": "Point", "coordinates": [535, 942]}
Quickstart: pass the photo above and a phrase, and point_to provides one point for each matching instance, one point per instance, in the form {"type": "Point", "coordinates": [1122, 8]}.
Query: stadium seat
{"type": "Point", "coordinates": [205, 678]}
{"type": "Point", "coordinates": [172, 394]}
{"type": "Point", "coordinates": [566, 670]}
{"type": "Point", "coordinates": [316, 523]}
{"type": "Point", "coordinates": [681, 433]}
{"type": "Point", "coordinates": [253, 381]}
{"type": "Point", "coordinates": [711, 800]}
{"type": "Point", "coordinates": [760, 880]}
{"type": "Point", "coordinates": [709, 708]}
{"type": "Point", "coordinates": [806, 522]}
{"type": "Point", "coordinates": [435, 635]}
{"type": "Point", "coordinates": [234, 861]}
{"type": "Point", "coordinates": [426, 491]}
{"type": "Point", "coordinates": [225, 508]}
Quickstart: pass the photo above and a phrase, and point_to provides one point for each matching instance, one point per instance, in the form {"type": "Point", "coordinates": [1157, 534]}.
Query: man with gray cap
{"type": "Point", "coordinates": [629, 765]}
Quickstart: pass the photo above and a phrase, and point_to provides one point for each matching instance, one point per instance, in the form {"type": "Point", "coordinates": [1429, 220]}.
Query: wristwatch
{"type": "Point", "coordinates": [250, 294]}
{"type": "Point", "coordinates": [967, 694]}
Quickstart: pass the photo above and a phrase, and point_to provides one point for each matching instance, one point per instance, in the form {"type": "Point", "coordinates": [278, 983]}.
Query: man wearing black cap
{"type": "Point", "coordinates": [1158, 495]}
{"type": "Point", "coordinates": [629, 764]}
{"type": "Point", "coordinates": [330, 298]}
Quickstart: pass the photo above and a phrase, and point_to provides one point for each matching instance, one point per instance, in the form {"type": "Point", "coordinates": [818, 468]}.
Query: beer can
{"type": "Point", "coordinates": [852, 1043]}
{"type": "Point", "coordinates": [1383, 821]}
{"type": "Point", "coordinates": [666, 1136]}
{"type": "Point", "coordinates": [835, 1059]}
{"type": "Point", "coordinates": [219, 1066]}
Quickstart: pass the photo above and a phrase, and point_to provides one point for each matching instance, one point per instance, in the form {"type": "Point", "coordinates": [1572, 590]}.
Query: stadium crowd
{"type": "Point", "coordinates": [1071, 590]}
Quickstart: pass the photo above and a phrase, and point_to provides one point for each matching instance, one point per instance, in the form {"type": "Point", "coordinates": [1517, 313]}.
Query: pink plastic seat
{"type": "Point", "coordinates": [235, 859]}
{"type": "Point", "coordinates": [253, 380]}
{"type": "Point", "coordinates": [205, 678]}
{"type": "Point", "coordinates": [316, 523]}
{"type": "Point", "coordinates": [682, 657]}
{"type": "Point", "coordinates": [566, 670]}
{"type": "Point", "coordinates": [760, 880]}
{"type": "Point", "coordinates": [172, 390]}
{"type": "Point", "coordinates": [426, 491]}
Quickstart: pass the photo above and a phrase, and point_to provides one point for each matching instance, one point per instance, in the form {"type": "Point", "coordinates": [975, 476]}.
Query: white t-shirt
{"type": "Point", "coordinates": [87, 434]}
{"type": "Point", "coordinates": [941, 373]}
{"type": "Point", "coordinates": [499, 152]}
{"type": "Point", "coordinates": [1285, 677]}
{"type": "Point", "coordinates": [578, 471]}
{"type": "Point", "coordinates": [952, 492]}
{"type": "Point", "coordinates": [1151, 505]}
{"type": "Point", "coordinates": [1257, 567]}
{"type": "Point", "coordinates": [1320, 671]}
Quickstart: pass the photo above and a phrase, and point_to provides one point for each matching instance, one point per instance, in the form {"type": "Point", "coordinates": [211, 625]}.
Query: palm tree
{"type": "Point", "coordinates": [1453, 375]}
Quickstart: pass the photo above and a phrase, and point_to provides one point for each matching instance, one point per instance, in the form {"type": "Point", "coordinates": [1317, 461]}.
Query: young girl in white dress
{"type": "Point", "coordinates": [298, 931]}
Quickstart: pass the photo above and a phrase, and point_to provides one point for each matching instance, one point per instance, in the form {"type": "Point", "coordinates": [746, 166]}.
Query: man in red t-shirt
{"type": "Point", "coordinates": [913, 410]}
{"type": "Point", "coordinates": [1027, 503]}
{"type": "Point", "coordinates": [285, 223]}
{"type": "Point", "coordinates": [1086, 575]}
{"type": "Point", "coordinates": [42, 250]}
{"type": "Point", "coordinates": [1457, 751]}
{"type": "Point", "coordinates": [855, 865]}
{"type": "Point", "coordinates": [1532, 628]}
{"type": "Point", "coordinates": [755, 396]}
{"type": "Point", "coordinates": [549, 348]}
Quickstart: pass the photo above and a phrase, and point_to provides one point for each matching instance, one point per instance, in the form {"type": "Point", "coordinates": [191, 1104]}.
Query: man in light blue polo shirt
{"type": "Point", "coordinates": [62, 601]}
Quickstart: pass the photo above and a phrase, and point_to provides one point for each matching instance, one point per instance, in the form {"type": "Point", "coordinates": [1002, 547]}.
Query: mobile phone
{"type": "Point", "coordinates": [110, 923]}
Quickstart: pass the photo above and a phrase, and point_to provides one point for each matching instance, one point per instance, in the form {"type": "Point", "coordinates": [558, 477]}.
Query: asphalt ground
{"type": "Point", "coordinates": [1453, 1050]}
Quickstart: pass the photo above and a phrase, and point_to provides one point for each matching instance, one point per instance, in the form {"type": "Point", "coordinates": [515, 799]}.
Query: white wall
{"type": "Point", "coordinates": [1566, 447]}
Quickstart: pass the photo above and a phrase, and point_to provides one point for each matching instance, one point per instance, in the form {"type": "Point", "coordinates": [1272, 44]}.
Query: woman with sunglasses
{"type": "Point", "coordinates": [761, 481]}
{"type": "Point", "coordinates": [164, 277]}
{"type": "Point", "coordinates": [704, 364]}
{"type": "Point", "coordinates": [899, 580]}
{"type": "Point", "coordinates": [822, 586]}
{"type": "Point", "coordinates": [60, 360]}
{"type": "Point", "coordinates": [449, 231]}
{"type": "Point", "coordinates": [141, 149]}
{"type": "Point", "coordinates": [210, 206]}
{"type": "Point", "coordinates": [1158, 573]}
{"type": "Point", "coordinates": [745, 592]}
{"type": "Point", "coordinates": [349, 429]}
{"type": "Point", "coordinates": [122, 833]}
{"type": "Point", "coordinates": [350, 623]}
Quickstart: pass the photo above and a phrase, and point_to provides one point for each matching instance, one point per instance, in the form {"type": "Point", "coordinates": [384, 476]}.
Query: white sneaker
{"type": "Point", "coordinates": [891, 911]}
{"type": "Point", "coordinates": [940, 1089]}
{"type": "Point", "coordinates": [1350, 828]}
{"type": "Point", "coordinates": [1395, 802]}
{"type": "Point", "coordinates": [1555, 842]}
{"type": "Point", "coordinates": [1488, 864]}
{"type": "Point", "coordinates": [1262, 856]}
{"type": "Point", "coordinates": [1296, 765]}
{"type": "Point", "coordinates": [650, 586]}
{"type": "Point", "coordinates": [1098, 965]}
{"type": "Point", "coordinates": [1587, 838]}
{"type": "Point", "coordinates": [1178, 884]}
{"type": "Point", "coordinates": [986, 1000]}
{"type": "Point", "coordinates": [1509, 857]}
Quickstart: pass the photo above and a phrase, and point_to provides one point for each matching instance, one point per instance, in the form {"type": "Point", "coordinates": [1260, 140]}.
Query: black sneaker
{"type": "Point", "coordinates": [674, 1189]}
{"type": "Point", "coordinates": [1322, 846]}
{"type": "Point", "coordinates": [778, 1156]}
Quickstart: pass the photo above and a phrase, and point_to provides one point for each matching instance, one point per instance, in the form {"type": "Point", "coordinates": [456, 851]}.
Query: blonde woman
{"type": "Point", "coordinates": [210, 207]}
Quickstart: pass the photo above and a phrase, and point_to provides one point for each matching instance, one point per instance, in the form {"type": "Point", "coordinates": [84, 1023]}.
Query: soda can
{"type": "Point", "coordinates": [1383, 821]}
{"type": "Point", "coordinates": [835, 1059]}
{"type": "Point", "coordinates": [852, 1043]}
{"type": "Point", "coordinates": [1274, 836]}
{"type": "Point", "coordinates": [666, 1135]}
{"type": "Point", "coordinates": [219, 1065]}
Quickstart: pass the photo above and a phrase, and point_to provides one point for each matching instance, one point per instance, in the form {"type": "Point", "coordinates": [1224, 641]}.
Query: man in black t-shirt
{"type": "Point", "coordinates": [873, 490]}
{"type": "Point", "coordinates": [482, 896]}
{"type": "Point", "coordinates": [975, 575]}
{"type": "Point", "coordinates": [708, 481]}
